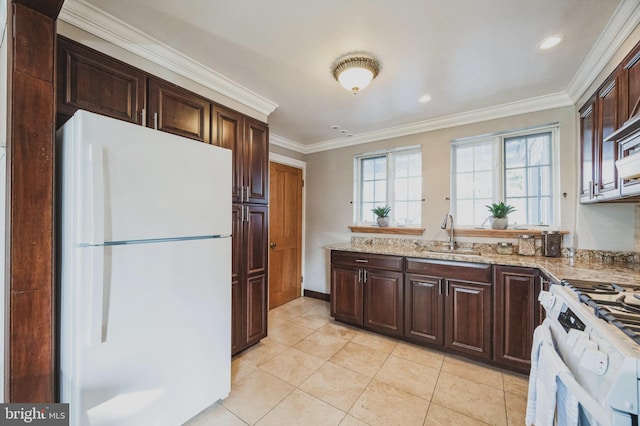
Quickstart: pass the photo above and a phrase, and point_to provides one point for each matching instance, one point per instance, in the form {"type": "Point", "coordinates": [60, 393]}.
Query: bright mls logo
{"type": "Point", "coordinates": [34, 414]}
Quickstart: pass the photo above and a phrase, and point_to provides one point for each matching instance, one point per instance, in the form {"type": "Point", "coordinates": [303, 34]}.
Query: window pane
{"type": "Point", "coordinates": [519, 216]}
{"type": "Point", "coordinates": [380, 168]}
{"type": "Point", "coordinates": [483, 156]}
{"type": "Point", "coordinates": [515, 152]}
{"type": "Point", "coordinates": [464, 159]}
{"type": "Point", "coordinates": [367, 169]}
{"type": "Point", "coordinates": [480, 212]}
{"type": "Point", "coordinates": [401, 189]}
{"type": "Point", "coordinates": [415, 188]}
{"type": "Point", "coordinates": [380, 191]}
{"type": "Point", "coordinates": [483, 185]}
{"type": "Point", "coordinates": [465, 212]}
{"type": "Point", "coordinates": [367, 192]}
{"type": "Point", "coordinates": [415, 165]}
{"type": "Point", "coordinates": [515, 181]}
{"type": "Point", "coordinates": [464, 185]}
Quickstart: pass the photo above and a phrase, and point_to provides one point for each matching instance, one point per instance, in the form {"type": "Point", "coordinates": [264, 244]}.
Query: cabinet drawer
{"type": "Point", "coordinates": [366, 260]}
{"type": "Point", "coordinates": [477, 272]}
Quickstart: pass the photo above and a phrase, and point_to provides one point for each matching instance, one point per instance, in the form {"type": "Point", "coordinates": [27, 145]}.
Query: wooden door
{"type": "Point", "coordinates": [516, 293]}
{"type": "Point", "coordinates": [237, 293]}
{"type": "Point", "coordinates": [468, 317]}
{"type": "Point", "coordinates": [424, 309]}
{"type": "Point", "coordinates": [346, 294]}
{"type": "Point", "coordinates": [178, 111]}
{"type": "Point", "coordinates": [285, 234]}
{"type": "Point", "coordinates": [383, 301]}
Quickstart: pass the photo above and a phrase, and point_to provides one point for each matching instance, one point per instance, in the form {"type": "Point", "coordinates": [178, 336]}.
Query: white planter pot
{"type": "Point", "coordinates": [383, 222]}
{"type": "Point", "coordinates": [500, 223]}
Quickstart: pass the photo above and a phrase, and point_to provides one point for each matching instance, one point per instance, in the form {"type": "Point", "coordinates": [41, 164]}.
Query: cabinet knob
{"type": "Point", "coordinates": [273, 245]}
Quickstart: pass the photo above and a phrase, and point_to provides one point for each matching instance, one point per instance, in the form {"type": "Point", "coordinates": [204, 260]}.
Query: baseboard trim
{"type": "Point", "coordinates": [317, 295]}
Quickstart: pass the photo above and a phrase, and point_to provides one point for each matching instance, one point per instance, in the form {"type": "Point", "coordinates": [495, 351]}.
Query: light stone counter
{"type": "Point", "coordinates": [585, 268]}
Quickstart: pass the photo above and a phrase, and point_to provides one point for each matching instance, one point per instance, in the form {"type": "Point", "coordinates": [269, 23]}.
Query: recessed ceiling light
{"type": "Point", "coordinates": [549, 42]}
{"type": "Point", "coordinates": [343, 131]}
{"type": "Point", "coordinates": [424, 99]}
{"type": "Point", "coordinates": [335, 127]}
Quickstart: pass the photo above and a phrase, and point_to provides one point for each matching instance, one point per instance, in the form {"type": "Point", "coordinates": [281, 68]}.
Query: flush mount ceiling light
{"type": "Point", "coordinates": [356, 73]}
{"type": "Point", "coordinates": [550, 42]}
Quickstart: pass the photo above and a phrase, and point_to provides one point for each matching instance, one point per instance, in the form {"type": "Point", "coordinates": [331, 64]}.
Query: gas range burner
{"type": "Point", "coordinates": [597, 287]}
{"type": "Point", "coordinates": [617, 304]}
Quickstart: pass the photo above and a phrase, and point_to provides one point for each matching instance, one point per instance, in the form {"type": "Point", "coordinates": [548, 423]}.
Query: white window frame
{"type": "Point", "coordinates": [498, 190]}
{"type": "Point", "coordinates": [357, 167]}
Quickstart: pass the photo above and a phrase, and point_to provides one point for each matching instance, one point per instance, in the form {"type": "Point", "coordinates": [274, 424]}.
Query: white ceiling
{"type": "Point", "coordinates": [470, 56]}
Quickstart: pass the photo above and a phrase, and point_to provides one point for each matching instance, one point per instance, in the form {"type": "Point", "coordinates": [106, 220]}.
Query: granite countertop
{"type": "Point", "coordinates": [558, 268]}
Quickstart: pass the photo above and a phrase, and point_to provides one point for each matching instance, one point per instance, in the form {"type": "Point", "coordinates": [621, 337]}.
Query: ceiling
{"type": "Point", "coordinates": [474, 58]}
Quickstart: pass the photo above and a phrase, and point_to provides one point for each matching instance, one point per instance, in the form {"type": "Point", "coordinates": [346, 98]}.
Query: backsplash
{"type": "Point", "coordinates": [606, 256]}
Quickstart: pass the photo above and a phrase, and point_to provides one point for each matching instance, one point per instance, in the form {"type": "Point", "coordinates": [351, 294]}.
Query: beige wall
{"type": "Point", "coordinates": [330, 184]}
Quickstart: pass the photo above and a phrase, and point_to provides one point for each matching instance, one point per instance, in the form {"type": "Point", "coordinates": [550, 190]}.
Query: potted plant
{"type": "Point", "coordinates": [383, 215]}
{"type": "Point", "coordinates": [499, 212]}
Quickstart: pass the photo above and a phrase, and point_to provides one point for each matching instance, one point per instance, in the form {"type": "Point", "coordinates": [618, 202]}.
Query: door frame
{"type": "Point", "coordinates": [288, 161]}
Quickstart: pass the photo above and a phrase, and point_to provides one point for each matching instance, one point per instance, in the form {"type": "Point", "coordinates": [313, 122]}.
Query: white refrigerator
{"type": "Point", "coordinates": [145, 283]}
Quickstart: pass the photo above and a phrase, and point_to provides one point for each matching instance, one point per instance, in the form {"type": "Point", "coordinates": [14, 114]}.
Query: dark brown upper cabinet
{"type": "Point", "coordinates": [178, 111]}
{"type": "Point", "coordinates": [95, 82]}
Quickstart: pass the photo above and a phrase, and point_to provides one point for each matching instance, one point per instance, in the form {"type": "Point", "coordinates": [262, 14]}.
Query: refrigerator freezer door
{"type": "Point", "coordinates": [161, 354]}
{"type": "Point", "coordinates": [133, 183]}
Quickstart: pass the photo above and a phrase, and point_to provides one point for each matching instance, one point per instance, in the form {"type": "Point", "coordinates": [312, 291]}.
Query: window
{"type": "Point", "coordinates": [515, 167]}
{"type": "Point", "coordinates": [390, 177]}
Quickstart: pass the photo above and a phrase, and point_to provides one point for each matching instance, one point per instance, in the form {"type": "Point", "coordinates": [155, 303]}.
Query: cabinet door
{"type": "Point", "coordinates": [178, 111]}
{"type": "Point", "coordinates": [256, 161]}
{"type": "Point", "coordinates": [424, 309]}
{"type": "Point", "coordinates": [630, 86]}
{"type": "Point", "coordinates": [237, 295]}
{"type": "Point", "coordinates": [516, 307]}
{"type": "Point", "coordinates": [607, 151]}
{"type": "Point", "coordinates": [346, 294]}
{"type": "Point", "coordinates": [95, 82]}
{"type": "Point", "coordinates": [383, 297]}
{"type": "Point", "coordinates": [255, 270]}
{"type": "Point", "coordinates": [227, 132]}
{"type": "Point", "coordinates": [467, 317]}
{"type": "Point", "coordinates": [587, 146]}
{"type": "Point", "coordinates": [249, 275]}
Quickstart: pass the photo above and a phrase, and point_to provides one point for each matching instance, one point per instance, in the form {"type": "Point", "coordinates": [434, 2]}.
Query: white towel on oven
{"type": "Point", "coordinates": [568, 405]}
{"type": "Point", "coordinates": [550, 365]}
{"type": "Point", "coordinates": [541, 337]}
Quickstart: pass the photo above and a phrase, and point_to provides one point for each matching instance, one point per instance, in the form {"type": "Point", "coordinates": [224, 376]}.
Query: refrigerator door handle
{"type": "Point", "coordinates": [96, 189]}
{"type": "Point", "coordinates": [100, 296]}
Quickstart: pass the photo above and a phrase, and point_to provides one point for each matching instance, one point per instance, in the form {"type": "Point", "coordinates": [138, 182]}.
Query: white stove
{"type": "Point", "coordinates": [596, 331]}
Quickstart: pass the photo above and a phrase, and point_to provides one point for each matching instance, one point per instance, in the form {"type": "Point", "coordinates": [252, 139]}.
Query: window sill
{"type": "Point", "coordinates": [386, 230]}
{"type": "Point", "coordinates": [499, 233]}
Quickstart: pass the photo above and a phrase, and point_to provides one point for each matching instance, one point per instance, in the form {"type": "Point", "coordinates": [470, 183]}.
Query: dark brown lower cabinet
{"type": "Point", "coordinates": [346, 287]}
{"type": "Point", "coordinates": [424, 309]}
{"type": "Point", "coordinates": [449, 304]}
{"type": "Point", "coordinates": [249, 276]}
{"type": "Point", "coordinates": [367, 291]}
{"type": "Point", "coordinates": [517, 314]}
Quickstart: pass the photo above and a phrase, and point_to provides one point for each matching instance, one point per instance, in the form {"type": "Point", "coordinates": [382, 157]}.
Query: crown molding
{"type": "Point", "coordinates": [624, 20]}
{"type": "Point", "coordinates": [541, 103]}
{"type": "Point", "coordinates": [109, 28]}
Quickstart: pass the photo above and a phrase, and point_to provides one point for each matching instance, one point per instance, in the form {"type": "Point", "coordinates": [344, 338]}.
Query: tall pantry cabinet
{"type": "Point", "coordinates": [249, 141]}
{"type": "Point", "coordinates": [90, 80]}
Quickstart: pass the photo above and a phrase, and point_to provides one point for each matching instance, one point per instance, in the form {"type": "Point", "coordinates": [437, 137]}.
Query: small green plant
{"type": "Point", "coordinates": [500, 210]}
{"type": "Point", "coordinates": [381, 211]}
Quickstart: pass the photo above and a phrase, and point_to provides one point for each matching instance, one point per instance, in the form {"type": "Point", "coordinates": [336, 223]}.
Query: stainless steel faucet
{"type": "Point", "coordinates": [449, 217]}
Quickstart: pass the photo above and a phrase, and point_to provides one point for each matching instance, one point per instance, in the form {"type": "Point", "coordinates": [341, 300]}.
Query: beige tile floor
{"type": "Point", "coordinates": [312, 370]}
